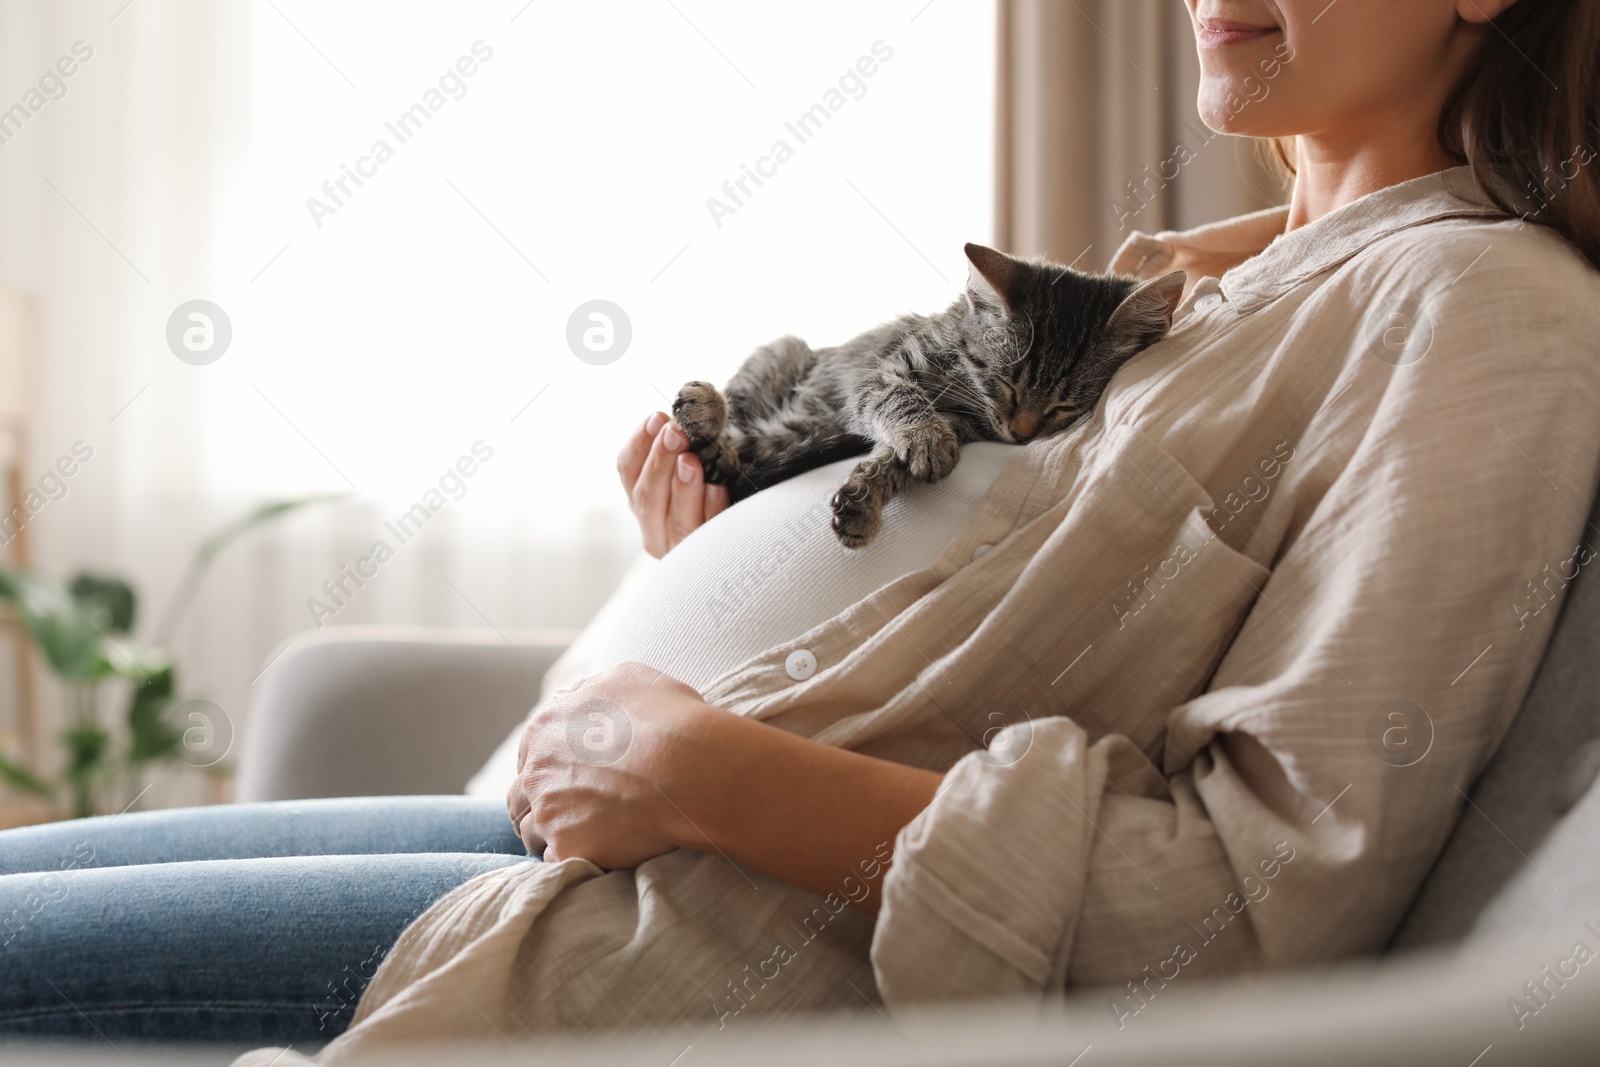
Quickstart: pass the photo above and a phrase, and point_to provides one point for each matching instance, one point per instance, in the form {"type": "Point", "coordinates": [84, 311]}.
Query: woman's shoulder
{"type": "Point", "coordinates": [1486, 288]}
{"type": "Point", "coordinates": [1482, 307]}
{"type": "Point", "coordinates": [1496, 262]}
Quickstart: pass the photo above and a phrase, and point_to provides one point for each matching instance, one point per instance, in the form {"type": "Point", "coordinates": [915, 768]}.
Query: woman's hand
{"type": "Point", "coordinates": [593, 763]}
{"type": "Point", "coordinates": [631, 764]}
{"type": "Point", "coordinates": [665, 485]}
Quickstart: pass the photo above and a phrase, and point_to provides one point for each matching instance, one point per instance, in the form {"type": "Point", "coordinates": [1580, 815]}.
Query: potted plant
{"type": "Point", "coordinates": [83, 635]}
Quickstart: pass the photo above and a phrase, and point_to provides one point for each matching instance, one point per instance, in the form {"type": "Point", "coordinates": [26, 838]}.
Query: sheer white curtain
{"type": "Point", "coordinates": [535, 157]}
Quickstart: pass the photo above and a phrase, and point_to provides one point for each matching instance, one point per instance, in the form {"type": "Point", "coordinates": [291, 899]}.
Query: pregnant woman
{"type": "Point", "coordinates": [1089, 710]}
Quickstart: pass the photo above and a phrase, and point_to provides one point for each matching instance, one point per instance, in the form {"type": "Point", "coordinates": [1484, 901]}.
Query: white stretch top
{"type": "Point", "coordinates": [762, 573]}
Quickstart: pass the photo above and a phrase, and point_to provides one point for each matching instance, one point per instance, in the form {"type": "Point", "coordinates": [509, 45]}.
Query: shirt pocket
{"type": "Point", "coordinates": [1160, 594]}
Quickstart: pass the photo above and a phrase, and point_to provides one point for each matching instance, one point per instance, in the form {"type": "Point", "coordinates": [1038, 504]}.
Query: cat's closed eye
{"type": "Point", "coordinates": [1058, 416]}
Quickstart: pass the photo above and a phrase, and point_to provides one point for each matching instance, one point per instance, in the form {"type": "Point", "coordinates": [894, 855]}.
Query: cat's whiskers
{"type": "Point", "coordinates": [967, 405]}
{"type": "Point", "coordinates": [965, 389]}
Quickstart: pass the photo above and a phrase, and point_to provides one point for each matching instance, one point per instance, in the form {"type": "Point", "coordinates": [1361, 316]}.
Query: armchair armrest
{"type": "Point", "coordinates": [387, 710]}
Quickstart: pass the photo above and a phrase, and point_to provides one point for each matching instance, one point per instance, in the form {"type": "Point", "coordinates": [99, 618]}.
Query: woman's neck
{"type": "Point", "coordinates": [1332, 171]}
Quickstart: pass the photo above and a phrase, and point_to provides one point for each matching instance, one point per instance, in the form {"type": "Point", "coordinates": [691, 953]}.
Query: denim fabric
{"type": "Point", "coordinates": [246, 924]}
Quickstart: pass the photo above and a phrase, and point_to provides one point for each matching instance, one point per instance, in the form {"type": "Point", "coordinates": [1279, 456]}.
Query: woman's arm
{"type": "Point", "coordinates": [632, 764]}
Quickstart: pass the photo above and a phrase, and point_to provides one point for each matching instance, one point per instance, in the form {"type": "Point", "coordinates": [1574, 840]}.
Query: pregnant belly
{"type": "Point", "coordinates": [769, 568]}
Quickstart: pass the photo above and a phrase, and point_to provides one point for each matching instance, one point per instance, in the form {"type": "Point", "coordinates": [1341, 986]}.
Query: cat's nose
{"type": "Point", "coordinates": [1024, 427]}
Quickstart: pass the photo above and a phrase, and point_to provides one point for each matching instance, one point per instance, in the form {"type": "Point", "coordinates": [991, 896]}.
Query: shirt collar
{"type": "Point", "coordinates": [1257, 262]}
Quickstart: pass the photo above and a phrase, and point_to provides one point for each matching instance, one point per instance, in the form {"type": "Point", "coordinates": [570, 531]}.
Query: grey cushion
{"type": "Point", "coordinates": [1523, 863]}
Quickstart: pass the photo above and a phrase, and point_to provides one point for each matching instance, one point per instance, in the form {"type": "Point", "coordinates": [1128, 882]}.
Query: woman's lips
{"type": "Point", "coordinates": [1217, 33]}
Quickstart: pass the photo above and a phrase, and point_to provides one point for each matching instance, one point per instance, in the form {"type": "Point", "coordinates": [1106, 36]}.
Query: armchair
{"type": "Point", "coordinates": [387, 710]}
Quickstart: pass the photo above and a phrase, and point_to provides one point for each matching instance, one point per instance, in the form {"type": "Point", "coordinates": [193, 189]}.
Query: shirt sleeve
{"type": "Point", "coordinates": [1429, 532]}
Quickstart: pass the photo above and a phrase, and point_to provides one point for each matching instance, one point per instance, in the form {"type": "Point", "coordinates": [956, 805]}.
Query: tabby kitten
{"type": "Point", "coordinates": [1027, 349]}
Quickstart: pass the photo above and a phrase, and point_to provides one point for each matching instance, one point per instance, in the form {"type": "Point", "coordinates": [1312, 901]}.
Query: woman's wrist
{"type": "Point", "coordinates": [810, 814]}
{"type": "Point", "coordinates": [667, 770]}
{"type": "Point", "coordinates": [692, 742]}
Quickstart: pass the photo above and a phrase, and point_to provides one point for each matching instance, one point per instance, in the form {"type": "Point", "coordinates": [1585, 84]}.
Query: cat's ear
{"type": "Point", "coordinates": [993, 278]}
{"type": "Point", "coordinates": [1145, 316]}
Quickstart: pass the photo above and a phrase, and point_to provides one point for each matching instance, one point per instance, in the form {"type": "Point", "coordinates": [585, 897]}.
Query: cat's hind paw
{"type": "Point", "coordinates": [700, 412]}
{"type": "Point", "coordinates": [857, 515]}
{"type": "Point", "coordinates": [929, 450]}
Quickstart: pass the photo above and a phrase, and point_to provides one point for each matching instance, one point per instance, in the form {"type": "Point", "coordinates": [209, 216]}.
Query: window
{"type": "Point", "coordinates": [430, 194]}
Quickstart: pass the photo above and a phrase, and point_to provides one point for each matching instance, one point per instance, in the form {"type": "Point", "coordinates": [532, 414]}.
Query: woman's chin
{"type": "Point", "coordinates": [1221, 112]}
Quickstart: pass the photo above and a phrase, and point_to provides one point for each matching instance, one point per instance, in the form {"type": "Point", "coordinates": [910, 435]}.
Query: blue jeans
{"type": "Point", "coordinates": [246, 925]}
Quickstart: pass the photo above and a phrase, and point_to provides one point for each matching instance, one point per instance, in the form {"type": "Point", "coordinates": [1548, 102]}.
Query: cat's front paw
{"type": "Point", "coordinates": [857, 515]}
{"type": "Point", "coordinates": [929, 449]}
{"type": "Point", "coordinates": [700, 412]}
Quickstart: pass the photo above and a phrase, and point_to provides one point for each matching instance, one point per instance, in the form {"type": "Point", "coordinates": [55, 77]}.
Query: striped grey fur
{"type": "Point", "coordinates": [1027, 349]}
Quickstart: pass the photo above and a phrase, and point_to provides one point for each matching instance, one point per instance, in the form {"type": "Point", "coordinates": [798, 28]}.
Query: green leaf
{"type": "Point", "coordinates": [110, 593]}
{"type": "Point", "coordinates": [23, 780]}
{"type": "Point", "coordinates": [150, 735]}
{"type": "Point", "coordinates": [67, 634]}
{"type": "Point", "coordinates": [86, 751]}
{"type": "Point", "coordinates": [122, 660]}
{"type": "Point", "coordinates": [86, 765]}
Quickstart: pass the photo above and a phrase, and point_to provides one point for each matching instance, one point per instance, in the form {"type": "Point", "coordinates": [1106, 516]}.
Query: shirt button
{"type": "Point", "coordinates": [1207, 302]}
{"type": "Point", "coordinates": [801, 664]}
{"type": "Point", "coordinates": [981, 551]}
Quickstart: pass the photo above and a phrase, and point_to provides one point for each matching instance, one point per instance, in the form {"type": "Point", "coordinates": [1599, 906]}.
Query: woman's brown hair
{"type": "Point", "coordinates": [1525, 116]}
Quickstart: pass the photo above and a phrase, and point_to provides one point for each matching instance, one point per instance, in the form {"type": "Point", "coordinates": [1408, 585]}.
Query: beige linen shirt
{"type": "Point", "coordinates": [1208, 672]}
